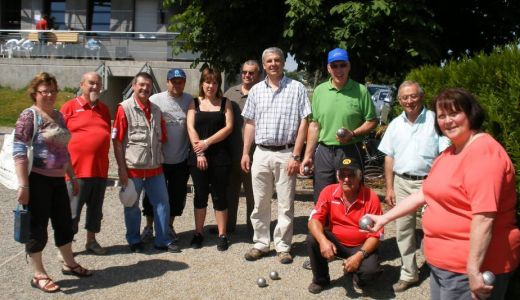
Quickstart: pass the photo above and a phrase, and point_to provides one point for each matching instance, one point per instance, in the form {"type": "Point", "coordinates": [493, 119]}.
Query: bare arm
{"type": "Point", "coordinates": [327, 248]}
{"type": "Point", "coordinates": [389, 179]}
{"type": "Point", "coordinates": [364, 129]}
{"type": "Point", "coordinates": [480, 237]}
{"type": "Point", "coordinates": [23, 181]}
{"type": "Point", "coordinates": [190, 124]}
{"type": "Point", "coordinates": [121, 164]}
{"type": "Point", "coordinates": [312, 141]}
{"type": "Point", "coordinates": [249, 136]}
{"type": "Point", "coordinates": [352, 263]}
{"type": "Point", "coordinates": [293, 167]}
{"type": "Point", "coordinates": [411, 203]}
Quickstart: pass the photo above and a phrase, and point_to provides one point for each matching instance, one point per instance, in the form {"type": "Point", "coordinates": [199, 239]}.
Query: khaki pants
{"type": "Point", "coordinates": [405, 229]}
{"type": "Point", "coordinates": [268, 172]}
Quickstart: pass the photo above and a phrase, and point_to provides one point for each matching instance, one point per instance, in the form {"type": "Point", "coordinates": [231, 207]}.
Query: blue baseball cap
{"type": "Point", "coordinates": [176, 73]}
{"type": "Point", "coordinates": [338, 54]}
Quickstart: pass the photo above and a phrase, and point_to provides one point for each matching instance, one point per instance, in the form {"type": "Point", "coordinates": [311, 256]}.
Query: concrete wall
{"type": "Point", "coordinates": [17, 72]}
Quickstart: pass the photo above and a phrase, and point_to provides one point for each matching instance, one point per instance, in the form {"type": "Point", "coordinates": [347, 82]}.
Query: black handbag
{"type": "Point", "coordinates": [22, 224]}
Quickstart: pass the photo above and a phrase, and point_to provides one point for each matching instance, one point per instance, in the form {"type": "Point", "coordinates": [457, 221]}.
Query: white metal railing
{"type": "Point", "coordinates": [108, 45]}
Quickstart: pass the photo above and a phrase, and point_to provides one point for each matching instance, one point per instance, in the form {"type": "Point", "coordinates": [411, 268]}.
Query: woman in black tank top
{"type": "Point", "coordinates": [210, 121]}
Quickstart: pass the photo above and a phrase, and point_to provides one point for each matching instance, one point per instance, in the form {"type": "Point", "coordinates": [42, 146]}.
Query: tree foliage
{"type": "Point", "coordinates": [385, 38]}
{"type": "Point", "coordinates": [227, 32]}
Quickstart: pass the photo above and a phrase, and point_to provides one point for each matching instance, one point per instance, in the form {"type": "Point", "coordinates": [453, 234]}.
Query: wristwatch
{"type": "Point", "coordinates": [296, 157]}
{"type": "Point", "coordinates": [365, 254]}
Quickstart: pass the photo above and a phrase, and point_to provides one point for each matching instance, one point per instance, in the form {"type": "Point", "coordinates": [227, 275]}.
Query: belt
{"type": "Point", "coordinates": [334, 147]}
{"type": "Point", "coordinates": [277, 148]}
{"type": "Point", "coordinates": [411, 177]}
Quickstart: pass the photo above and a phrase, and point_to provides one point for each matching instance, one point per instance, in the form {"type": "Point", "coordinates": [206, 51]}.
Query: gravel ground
{"type": "Point", "coordinates": [193, 274]}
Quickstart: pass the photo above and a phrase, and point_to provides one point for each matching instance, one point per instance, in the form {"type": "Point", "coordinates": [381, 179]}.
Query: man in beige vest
{"type": "Point", "coordinates": [138, 134]}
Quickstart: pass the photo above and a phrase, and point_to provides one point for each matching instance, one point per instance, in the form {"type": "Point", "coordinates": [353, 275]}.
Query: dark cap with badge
{"type": "Point", "coordinates": [175, 73]}
{"type": "Point", "coordinates": [348, 163]}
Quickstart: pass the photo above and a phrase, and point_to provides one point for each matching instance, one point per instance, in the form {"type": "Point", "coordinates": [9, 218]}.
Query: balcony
{"type": "Point", "coordinates": [96, 45]}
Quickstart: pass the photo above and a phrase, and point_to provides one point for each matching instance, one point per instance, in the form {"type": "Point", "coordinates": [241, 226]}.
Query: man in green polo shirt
{"type": "Point", "coordinates": [340, 102]}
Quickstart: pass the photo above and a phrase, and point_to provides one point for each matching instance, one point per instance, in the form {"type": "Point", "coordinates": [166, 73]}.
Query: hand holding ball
{"type": "Point", "coordinates": [365, 222]}
{"type": "Point", "coordinates": [488, 277]}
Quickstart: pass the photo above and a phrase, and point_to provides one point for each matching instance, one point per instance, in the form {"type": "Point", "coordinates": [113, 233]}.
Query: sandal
{"type": "Point", "coordinates": [78, 270]}
{"type": "Point", "coordinates": [45, 284]}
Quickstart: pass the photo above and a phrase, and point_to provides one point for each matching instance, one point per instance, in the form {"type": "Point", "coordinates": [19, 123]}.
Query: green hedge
{"type": "Point", "coordinates": [495, 80]}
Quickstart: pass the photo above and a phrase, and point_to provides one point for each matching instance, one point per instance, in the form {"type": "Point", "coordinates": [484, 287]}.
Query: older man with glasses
{"type": "Point", "coordinates": [410, 144]}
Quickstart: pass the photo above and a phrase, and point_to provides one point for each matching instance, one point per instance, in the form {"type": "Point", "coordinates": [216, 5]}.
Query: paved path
{"type": "Point", "coordinates": [193, 274]}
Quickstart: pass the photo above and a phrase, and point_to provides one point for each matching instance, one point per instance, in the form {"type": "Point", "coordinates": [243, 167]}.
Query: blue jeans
{"type": "Point", "coordinates": [155, 188]}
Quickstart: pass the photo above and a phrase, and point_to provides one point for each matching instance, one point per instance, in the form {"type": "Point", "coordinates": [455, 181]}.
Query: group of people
{"type": "Point", "coordinates": [261, 134]}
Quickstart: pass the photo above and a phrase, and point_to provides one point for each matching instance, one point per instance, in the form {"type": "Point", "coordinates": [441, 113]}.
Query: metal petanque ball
{"type": "Point", "coordinates": [261, 282]}
{"type": "Point", "coordinates": [365, 222]}
{"type": "Point", "coordinates": [488, 277]}
{"type": "Point", "coordinates": [341, 133]}
{"type": "Point", "coordinates": [274, 275]}
{"type": "Point", "coordinates": [306, 170]}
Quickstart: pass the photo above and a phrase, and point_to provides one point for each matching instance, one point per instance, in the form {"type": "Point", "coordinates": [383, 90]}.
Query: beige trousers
{"type": "Point", "coordinates": [405, 229]}
{"type": "Point", "coordinates": [269, 172]}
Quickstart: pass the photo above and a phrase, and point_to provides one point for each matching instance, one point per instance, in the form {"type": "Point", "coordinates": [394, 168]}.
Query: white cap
{"type": "Point", "coordinates": [127, 194]}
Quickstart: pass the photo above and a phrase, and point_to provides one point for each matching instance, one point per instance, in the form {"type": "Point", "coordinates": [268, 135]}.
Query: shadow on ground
{"type": "Point", "coordinates": [114, 276]}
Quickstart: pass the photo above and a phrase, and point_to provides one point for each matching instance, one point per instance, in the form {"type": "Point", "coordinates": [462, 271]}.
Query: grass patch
{"type": "Point", "coordinates": [13, 102]}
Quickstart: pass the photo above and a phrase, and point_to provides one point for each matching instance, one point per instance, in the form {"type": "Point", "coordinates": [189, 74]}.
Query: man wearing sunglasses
{"type": "Point", "coordinates": [410, 144]}
{"type": "Point", "coordinates": [341, 206]}
{"type": "Point", "coordinates": [250, 73]}
{"type": "Point", "coordinates": [340, 102]}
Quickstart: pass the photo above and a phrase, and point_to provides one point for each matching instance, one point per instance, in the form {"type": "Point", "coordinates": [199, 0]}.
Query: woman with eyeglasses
{"type": "Point", "coordinates": [43, 190]}
{"type": "Point", "coordinates": [470, 220]}
{"type": "Point", "coordinates": [210, 122]}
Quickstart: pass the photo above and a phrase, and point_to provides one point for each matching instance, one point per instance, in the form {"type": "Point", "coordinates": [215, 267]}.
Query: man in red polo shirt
{"type": "Point", "coordinates": [88, 120]}
{"type": "Point", "coordinates": [343, 204]}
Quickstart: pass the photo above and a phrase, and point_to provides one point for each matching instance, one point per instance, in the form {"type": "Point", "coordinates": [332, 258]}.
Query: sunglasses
{"type": "Point", "coordinates": [251, 73]}
{"type": "Point", "coordinates": [335, 66]}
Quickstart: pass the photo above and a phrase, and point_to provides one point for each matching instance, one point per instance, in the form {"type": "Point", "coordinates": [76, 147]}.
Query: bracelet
{"type": "Point", "coordinates": [23, 187]}
{"type": "Point", "coordinates": [353, 134]}
{"type": "Point", "coordinates": [200, 154]}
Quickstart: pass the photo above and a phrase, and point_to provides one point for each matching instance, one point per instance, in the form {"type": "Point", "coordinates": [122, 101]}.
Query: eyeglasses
{"type": "Point", "coordinates": [47, 93]}
{"type": "Point", "coordinates": [251, 73]}
{"type": "Point", "coordinates": [335, 66]}
{"type": "Point", "coordinates": [350, 174]}
{"type": "Point", "coordinates": [406, 97]}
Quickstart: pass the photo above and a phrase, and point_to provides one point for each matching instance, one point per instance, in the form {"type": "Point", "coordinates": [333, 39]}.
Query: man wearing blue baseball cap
{"type": "Point", "coordinates": [340, 102]}
{"type": "Point", "coordinates": [174, 105]}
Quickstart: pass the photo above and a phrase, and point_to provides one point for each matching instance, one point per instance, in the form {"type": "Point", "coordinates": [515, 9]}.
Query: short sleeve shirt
{"type": "Point", "coordinates": [479, 179]}
{"type": "Point", "coordinates": [346, 108]}
{"type": "Point", "coordinates": [277, 114]}
{"type": "Point", "coordinates": [413, 146]}
{"type": "Point", "coordinates": [344, 224]}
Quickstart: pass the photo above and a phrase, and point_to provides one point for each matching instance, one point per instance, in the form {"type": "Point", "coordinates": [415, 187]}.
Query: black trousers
{"type": "Point", "coordinates": [213, 180]}
{"type": "Point", "coordinates": [48, 199]}
{"type": "Point", "coordinates": [237, 178]}
{"type": "Point", "coordinates": [176, 176]}
{"type": "Point", "coordinates": [320, 266]}
{"type": "Point", "coordinates": [91, 193]}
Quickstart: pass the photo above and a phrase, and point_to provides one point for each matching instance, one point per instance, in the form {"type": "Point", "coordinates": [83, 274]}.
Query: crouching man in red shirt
{"type": "Point", "coordinates": [342, 205]}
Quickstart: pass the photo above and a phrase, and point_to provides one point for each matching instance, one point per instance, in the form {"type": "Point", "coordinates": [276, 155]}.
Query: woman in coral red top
{"type": "Point", "coordinates": [469, 223]}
